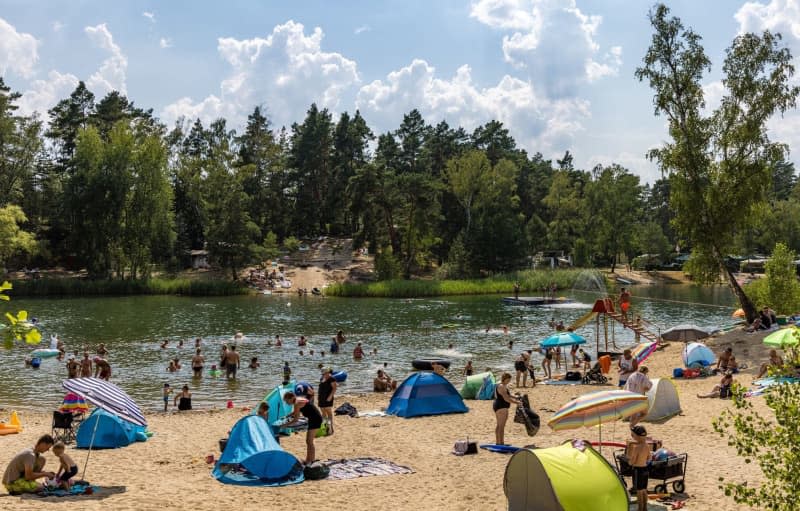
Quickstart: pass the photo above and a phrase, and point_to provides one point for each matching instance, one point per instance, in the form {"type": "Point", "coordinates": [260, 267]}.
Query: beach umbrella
{"type": "Point", "coordinates": [562, 339]}
{"type": "Point", "coordinates": [685, 333]}
{"type": "Point", "coordinates": [74, 404]}
{"type": "Point", "coordinates": [596, 408]}
{"type": "Point", "coordinates": [738, 313]}
{"type": "Point", "coordinates": [783, 338]}
{"type": "Point", "coordinates": [644, 350]}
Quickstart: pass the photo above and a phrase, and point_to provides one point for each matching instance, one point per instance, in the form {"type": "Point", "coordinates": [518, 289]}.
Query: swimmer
{"type": "Point", "coordinates": [164, 343]}
{"type": "Point", "coordinates": [505, 329]}
{"type": "Point", "coordinates": [180, 343]}
{"type": "Point", "coordinates": [450, 346]}
{"type": "Point", "coordinates": [278, 341]}
{"type": "Point", "coordinates": [511, 345]}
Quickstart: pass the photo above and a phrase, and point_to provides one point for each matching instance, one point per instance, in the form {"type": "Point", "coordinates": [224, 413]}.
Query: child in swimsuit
{"type": "Point", "coordinates": [67, 469]}
{"type": "Point", "coordinates": [167, 392]}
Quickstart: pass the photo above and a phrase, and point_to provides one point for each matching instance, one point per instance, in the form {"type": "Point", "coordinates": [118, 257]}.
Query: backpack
{"type": "Point", "coordinates": [346, 409]}
{"type": "Point", "coordinates": [316, 471]}
{"type": "Point", "coordinates": [573, 376]}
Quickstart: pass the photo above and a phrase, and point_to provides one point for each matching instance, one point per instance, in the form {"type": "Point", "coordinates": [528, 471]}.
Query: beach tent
{"type": "Point", "coordinates": [697, 353]}
{"type": "Point", "coordinates": [253, 457]}
{"type": "Point", "coordinates": [112, 431]}
{"type": "Point", "coordinates": [563, 478]}
{"type": "Point", "coordinates": [278, 408]}
{"type": "Point", "coordinates": [425, 393]}
{"type": "Point", "coordinates": [472, 385]}
{"type": "Point", "coordinates": [663, 400]}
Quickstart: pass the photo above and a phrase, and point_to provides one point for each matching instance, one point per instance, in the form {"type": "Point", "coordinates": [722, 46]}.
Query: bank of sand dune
{"type": "Point", "coordinates": [169, 470]}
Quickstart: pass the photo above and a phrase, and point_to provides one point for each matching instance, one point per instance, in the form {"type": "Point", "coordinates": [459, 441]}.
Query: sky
{"type": "Point", "coordinates": [558, 73]}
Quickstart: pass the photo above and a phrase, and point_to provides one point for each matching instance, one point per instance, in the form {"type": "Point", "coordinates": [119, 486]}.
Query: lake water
{"type": "Point", "coordinates": [132, 328]}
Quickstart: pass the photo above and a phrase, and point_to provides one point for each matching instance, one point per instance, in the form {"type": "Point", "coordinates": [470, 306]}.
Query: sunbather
{"type": "Point", "coordinates": [775, 362]}
{"type": "Point", "coordinates": [722, 389]}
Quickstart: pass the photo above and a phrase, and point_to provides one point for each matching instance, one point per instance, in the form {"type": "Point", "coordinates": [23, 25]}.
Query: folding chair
{"type": "Point", "coordinates": [63, 428]}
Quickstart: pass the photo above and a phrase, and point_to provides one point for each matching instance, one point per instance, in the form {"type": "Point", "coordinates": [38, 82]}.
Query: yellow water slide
{"type": "Point", "coordinates": [583, 320]}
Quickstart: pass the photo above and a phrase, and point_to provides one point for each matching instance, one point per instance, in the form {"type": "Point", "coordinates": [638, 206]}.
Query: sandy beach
{"type": "Point", "coordinates": [169, 470]}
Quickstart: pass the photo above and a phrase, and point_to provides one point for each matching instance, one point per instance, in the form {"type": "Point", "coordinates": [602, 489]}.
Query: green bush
{"type": "Point", "coordinates": [387, 267]}
{"type": "Point", "coordinates": [81, 287]}
{"type": "Point", "coordinates": [780, 289]}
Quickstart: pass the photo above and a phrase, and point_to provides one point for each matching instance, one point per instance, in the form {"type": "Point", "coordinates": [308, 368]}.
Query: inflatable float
{"type": "Point", "coordinates": [339, 376]}
{"type": "Point", "coordinates": [13, 426]}
{"type": "Point", "coordinates": [426, 364]}
{"type": "Point", "coordinates": [45, 353]}
{"type": "Point", "coordinates": [505, 449]}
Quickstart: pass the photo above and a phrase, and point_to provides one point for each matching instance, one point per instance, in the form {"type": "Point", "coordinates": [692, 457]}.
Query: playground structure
{"type": "Point", "coordinates": [603, 311]}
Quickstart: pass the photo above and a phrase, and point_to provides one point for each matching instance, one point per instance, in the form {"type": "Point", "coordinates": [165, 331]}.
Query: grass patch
{"type": "Point", "coordinates": [531, 282]}
{"type": "Point", "coordinates": [81, 287]}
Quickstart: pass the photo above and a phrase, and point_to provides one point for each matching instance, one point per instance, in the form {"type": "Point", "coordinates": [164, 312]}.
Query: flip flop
{"type": "Point", "coordinates": [678, 505]}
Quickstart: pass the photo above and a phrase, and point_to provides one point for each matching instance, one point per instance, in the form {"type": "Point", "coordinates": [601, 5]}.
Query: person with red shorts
{"type": "Point", "coordinates": [624, 302]}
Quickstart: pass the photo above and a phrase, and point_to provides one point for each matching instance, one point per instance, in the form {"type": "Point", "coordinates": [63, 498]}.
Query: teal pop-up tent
{"type": "Point", "coordinates": [425, 393]}
{"type": "Point", "coordinates": [253, 457]}
{"type": "Point", "coordinates": [103, 430]}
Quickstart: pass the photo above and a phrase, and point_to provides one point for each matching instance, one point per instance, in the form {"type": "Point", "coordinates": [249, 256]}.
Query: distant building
{"type": "Point", "coordinates": [199, 259]}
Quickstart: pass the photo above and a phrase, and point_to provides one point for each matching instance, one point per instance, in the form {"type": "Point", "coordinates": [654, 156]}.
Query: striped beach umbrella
{"type": "Point", "coordinates": [596, 408]}
{"type": "Point", "coordinates": [107, 396]}
{"type": "Point", "coordinates": [73, 403]}
{"type": "Point", "coordinates": [644, 350]}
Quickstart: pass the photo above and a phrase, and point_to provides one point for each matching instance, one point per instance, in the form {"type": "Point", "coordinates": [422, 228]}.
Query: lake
{"type": "Point", "coordinates": [400, 330]}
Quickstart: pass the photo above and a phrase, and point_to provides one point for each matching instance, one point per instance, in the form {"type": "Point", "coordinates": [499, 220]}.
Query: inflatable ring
{"type": "Point", "coordinates": [45, 353]}
{"type": "Point", "coordinates": [339, 376]}
{"type": "Point", "coordinates": [426, 364]}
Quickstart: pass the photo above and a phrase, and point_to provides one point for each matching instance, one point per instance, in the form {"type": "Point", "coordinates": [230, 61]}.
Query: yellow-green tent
{"type": "Point", "coordinates": [563, 478]}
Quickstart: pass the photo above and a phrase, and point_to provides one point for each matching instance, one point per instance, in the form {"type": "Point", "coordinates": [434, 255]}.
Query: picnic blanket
{"type": "Point", "coordinates": [75, 489]}
{"type": "Point", "coordinates": [364, 467]}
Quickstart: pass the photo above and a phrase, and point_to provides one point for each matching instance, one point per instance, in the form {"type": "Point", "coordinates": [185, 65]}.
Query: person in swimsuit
{"type": "Point", "coordinates": [197, 363]}
{"type": "Point", "coordinates": [67, 467]}
{"type": "Point", "coordinates": [223, 358]}
{"type": "Point", "coordinates": [327, 389]}
{"type": "Point", "coordinates": [468, 370]}
{"type": "Point", "coordinates": [306, 408]}
{"type": "Point", "coordinates": [101, 350]}
{"type": "Point", "coordinates": [638, 454]}
{"type": "Point", "coordinates": [502, 402]}
{"type": "Point", "coordinates": [521, 368]}
{"type": "Point", "coordinates": [624, 303]}
{"type": "Point", "coordinates": [102, 368]}
{"type": "Point", "coordinates": [86, 366]}
{"type": "Point", "coordinates": [72, 367]}
{"type": "Point", "coordinates": [231, 363]}
{"type": "Point", "coordinates": [546, 362]}
{"type": "Point", "coordinates": [627, 366]}
{"type": "Point", "coordinates": [184, 399]}
{"type": "Point", "coordinates": [358, 352]}
{"type": "Point", "coordinates": [166, 392]}
{"type": "Point", "coordinates": [26, 467]}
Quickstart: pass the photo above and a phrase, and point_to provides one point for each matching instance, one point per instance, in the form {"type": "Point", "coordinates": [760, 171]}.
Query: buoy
{"type": "Point", "coordinates": [230, 404]}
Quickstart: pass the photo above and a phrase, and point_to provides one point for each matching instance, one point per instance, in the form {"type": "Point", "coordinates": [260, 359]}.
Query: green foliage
{"type": "Point", "coordinates": [768, 440]}
{"type": "Point", "coordinates": [780, 289]}
{"type": "Point", "coordinates": [530, 281]}
{"type": "Point", "coordinates": [153, 286]}
{"type": "Point", "coordinates": [13, 239]}
{"type": "Point", "coordinates": [18, 327]}
{"type": "Point", "coordinates": [291, 244]}
{"type": "Point", "coordinates": [387, 267]}
{"type": "Point", "coordinates": [270, 246]}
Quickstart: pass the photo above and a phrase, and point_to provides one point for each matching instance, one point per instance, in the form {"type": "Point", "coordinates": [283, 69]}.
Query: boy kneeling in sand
{"type": "Point", "coordinates": [67, 469]}
{"type": "Point", "coordinates": [638, 453]}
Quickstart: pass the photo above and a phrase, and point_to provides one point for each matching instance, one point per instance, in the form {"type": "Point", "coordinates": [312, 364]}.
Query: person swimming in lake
{"type": "Point", "coordinates": [358, 352]}
{"type": "Point", "coordinates": [254, 364]}
{"type": "Point", "coordinates": [302, 341]}
{"type": "Point", "coordinates": [468, 370]}
{"type": "Point", "coordinates": [278, 341]}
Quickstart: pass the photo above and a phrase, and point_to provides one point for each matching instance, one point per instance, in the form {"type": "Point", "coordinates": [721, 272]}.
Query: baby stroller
{"type": "Point", "coordinates": [595, 375]}
{"type": "Point", "coordinates": [526, 416]}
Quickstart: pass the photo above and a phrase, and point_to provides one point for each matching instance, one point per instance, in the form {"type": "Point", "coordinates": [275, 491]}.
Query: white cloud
{"type": "Point", "coordinates": [777, 16]}
{"type": "Point", "coordinates": [44, 94]}
{"type": "Point", "coordinates": [165, 42]}
{"type": "Point", "coordinates": [112, 73]}
{"type": "Point", "coordinates": [286, 71]}
{"type": "Point", "coordinates": [638, 164]}
{"type": "Point", "coordinates": [151, 17]}
{"type": "Point", "coordinates": [362, 29]}
{"type": "Point", "coordinates": [553, 39]}
{"type": "Point", "coordinates": [535, 121]}
{"type": "Point", "coordinates": [18, 51]}
{"type": "Point", "coordinates": [57, 26]}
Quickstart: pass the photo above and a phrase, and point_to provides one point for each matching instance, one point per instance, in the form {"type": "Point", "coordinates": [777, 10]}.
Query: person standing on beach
{"type": "Point", "coordinates": [638, 454]}
{"type": "Point", "coordinates": [502, 402]}
{"type": "Point", "coordinates": [546, 363]}
{"type": "Point", "coordinates": [327, 390]}
{"type": "Point", "coordinates": [231, 363]}
{"type": "Point", "coordinates": [86, 366]}
{"type": "Point", "coordinates": [197, 363]}
{"type": "Point", "coordinates": [639, 383]}
{"type": "Point", "coordinates": [306, 408]}
{"type": "Point", "coordinates": [521, 367]}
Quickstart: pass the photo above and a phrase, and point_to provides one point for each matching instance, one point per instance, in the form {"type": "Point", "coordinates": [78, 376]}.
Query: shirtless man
{"type": "Point", "coordinates": [101, 350]}
{"type": "Point", "coordinates": [724, 360]}
{"type": "Point", "coordinates": [26, 467]}
{"type": "Point", "coordinates": [624, 302]}
{"type": "Point", "coordinates": [102, 368]}
{"type": "Point", "coordinates": [197, 363]}
{"type": "Point", "coordinates": [72, 367]}
{"type": "Point", "coordinates": [638, 453]}
{"type": "Point", "coordinates": [231, 362]}
{"type": "Point", "coordinates": [86, 366]}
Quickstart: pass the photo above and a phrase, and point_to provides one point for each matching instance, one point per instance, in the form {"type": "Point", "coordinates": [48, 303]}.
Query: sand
{"type": "Point", "coordinates": [169, 470]}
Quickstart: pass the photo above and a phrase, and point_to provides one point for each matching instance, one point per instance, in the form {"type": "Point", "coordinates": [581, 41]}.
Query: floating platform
{"type": "Point", "coordinates": [536, 300]}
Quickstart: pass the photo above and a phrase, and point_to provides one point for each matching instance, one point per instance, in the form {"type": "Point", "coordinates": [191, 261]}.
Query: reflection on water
{"type": "Point", "coordinates": [400, 330]}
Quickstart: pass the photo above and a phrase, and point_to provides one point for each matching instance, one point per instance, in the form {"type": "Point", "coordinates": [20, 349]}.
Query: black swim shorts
{"type": "Point", "coordinates": [640, 475]}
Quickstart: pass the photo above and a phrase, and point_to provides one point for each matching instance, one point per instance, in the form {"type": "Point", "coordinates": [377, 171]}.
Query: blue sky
{"type": "Point", "coordinates": [558, 73]}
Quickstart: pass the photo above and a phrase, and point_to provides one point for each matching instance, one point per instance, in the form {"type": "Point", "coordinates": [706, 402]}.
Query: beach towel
{"type": "Point", "coordinates": [75, 489]}
{"type": "Point", "coordinates": [373, 413]}
{"type": "Point", "coordinates": [364, 467]}
{"type": "Point", "coordinates": [562, 382]}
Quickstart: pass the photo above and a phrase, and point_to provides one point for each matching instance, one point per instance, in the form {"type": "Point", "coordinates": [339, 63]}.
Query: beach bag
{"type": "Point", "coordinates": [463, 447]}
{"type": "Point", "coordinates": [346, 409]}
{"type": "Point", "coordinates": [573, 376]}
{"type": "Point", "coordinates": [316, 471]}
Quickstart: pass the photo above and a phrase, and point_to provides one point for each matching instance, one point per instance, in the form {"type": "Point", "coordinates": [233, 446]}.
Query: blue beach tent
{"type": "Point", "coordinates": [252, 457]}
{"type": "Point", "coordinates": [425, 393]}
{"type": "Point", "coordinates": [112, 432]}
{"type": "Point", "coordinates": [698, 354]}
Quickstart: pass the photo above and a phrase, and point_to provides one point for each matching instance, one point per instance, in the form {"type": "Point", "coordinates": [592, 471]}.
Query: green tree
{"type": "Point", "coordinates": [719, 165]}
{"type": "Point", "coordinates": [782, 291]}
{"type": "Point", "coordinates": [465, 178]}
{"type": "Point", "coordinates": [20, 145]}
{"type": "Point", "coordinates": [13, 239]}
{"type": "Point", "coordinates": [565, 207]}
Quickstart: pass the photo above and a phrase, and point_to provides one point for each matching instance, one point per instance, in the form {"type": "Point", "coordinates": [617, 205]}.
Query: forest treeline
{"type": "Point", "coordinates": [102, 184]}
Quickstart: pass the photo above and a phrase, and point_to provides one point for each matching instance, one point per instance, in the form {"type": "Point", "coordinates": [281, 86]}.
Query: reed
{"type": "Point", "coordinates": [81, 287]}
{"type": "Point", "coordinates": [531, 282]}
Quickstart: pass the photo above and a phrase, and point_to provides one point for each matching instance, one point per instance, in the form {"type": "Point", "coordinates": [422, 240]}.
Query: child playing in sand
{"type": "Point", "coordinates": [167, 392]}
{"type": "Point", "coordinates": [638, 453]}
{"type": "Point", "coordinates": [67, 469]}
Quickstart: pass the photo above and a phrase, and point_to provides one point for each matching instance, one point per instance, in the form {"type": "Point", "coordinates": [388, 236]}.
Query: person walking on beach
{"type": "Point", "coordinates": [327, 390]}
{"type": "Point", "coordinates": [197, 363]}
{"type": "Point", "coordinates": [86, 366]}
{"type": "Point", "coordinates": [306, 408]}
{"type": "Point", "coordinates": [231, 363]}
{"type": "Point", "coordinates": [502, 402]}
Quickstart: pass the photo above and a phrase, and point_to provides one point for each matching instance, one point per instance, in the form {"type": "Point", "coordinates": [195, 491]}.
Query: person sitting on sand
{"type": "Point", "coordinates": [21, 474]}
{"type": "Point", "coordinates": [502, 402]}
{"type": "Point", "coordinates": [383, 383]}
{"type": "Point", "coordinates": [358, 352]}
{"type": "Point", "coordinates": [67, 468]}
{"type": "Point", "coordinates": [638, 453]}
{"type": "Point", "coordinates": [774, 363]}
{"type": "Point", "coordinates": [183, 399]}
{"type": "Point", "coordinates": [305, 407]}
{"type": "Point", "coordinates": [722, 389]}
{"type": "Point", "coordinates": [723, 360]}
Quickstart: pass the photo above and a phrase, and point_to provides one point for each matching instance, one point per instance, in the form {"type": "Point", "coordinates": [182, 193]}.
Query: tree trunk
{"type": "Point", "coordinates": [747, 305]}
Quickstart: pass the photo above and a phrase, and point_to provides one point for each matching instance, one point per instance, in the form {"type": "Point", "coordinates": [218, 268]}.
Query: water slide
{"type": "Point", "coordinates": [582, 320]}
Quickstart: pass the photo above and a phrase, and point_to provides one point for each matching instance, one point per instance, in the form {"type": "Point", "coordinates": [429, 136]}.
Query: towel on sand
{"type": "Point", "coordinates": [363, 467]}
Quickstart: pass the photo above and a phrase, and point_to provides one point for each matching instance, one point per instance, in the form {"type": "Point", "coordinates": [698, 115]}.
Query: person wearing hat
{"type": "Point", "coordinates": [327, 389]}
{"type": "Point", "coordinates": [638, 454]}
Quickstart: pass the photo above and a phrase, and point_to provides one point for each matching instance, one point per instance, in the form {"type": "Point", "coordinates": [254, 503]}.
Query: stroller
{"type": "Point", "coordinates": [526, 416]}
{"type": "Point", "coordinates": [595, 375]}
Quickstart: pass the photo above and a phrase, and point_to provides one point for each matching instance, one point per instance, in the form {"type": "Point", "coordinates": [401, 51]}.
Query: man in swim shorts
{"type": "Point", "coordinates": [624, 302]}
{"type": "Point", "coordinates": [638, 453]}
{"type": "Point", "coordinates": [231, 363]}
{"type": "Point", "coordinates": [21, 474]}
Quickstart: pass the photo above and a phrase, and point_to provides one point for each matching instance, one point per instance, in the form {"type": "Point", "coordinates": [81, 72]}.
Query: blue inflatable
{"type": "Point", "coordinates": [252, 457]}
{"type": "Point", "coordinates": [36, 362]}
{"type": "Point", "coordinates": [340, 376]}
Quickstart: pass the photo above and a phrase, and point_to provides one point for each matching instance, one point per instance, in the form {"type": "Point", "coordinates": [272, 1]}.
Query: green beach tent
{"type": "Point", "coordinates": [473, 384]}
{"type": "Point", "coordinates": [563, 478]}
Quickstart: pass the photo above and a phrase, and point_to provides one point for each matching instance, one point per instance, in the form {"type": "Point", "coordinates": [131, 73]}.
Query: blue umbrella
{"type": "Point", "coordinates": [562, 339]}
